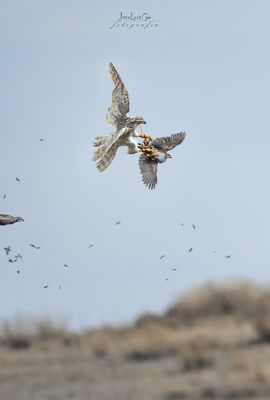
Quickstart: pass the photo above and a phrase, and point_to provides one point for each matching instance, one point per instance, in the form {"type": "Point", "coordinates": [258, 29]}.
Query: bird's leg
{"type": "Point", "coordinates": [146, 147]}
{"type": "Point", "coordinates": [144, 136]}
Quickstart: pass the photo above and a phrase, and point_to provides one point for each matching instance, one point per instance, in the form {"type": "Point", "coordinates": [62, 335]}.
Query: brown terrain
{"type": "Point", "coordinates": [214, 343]}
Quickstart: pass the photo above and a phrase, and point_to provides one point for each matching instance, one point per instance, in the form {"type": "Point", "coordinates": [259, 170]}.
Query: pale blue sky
{"type": "Point", "coordinates": [204, 70]}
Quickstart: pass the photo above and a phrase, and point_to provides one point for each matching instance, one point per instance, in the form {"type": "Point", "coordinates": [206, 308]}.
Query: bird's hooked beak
{"type": "Point", "coordinates": [168, 155]}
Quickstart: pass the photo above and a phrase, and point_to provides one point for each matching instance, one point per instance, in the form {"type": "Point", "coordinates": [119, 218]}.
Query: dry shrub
{"type": "Point", "coordinates": [240, 300]}
{"type": "Point", "coordinates": [23, 332]}
{"type": "Point", "coordinates": [17, 334]}
{"type": "Point", "coordinates": [262, 327]}
{"type": "Point", "coordinates": [48, 329]}
{"type": "Point", "coordinates": [147, 320]}
{"type": "Point", "coordinates": [152, 342]}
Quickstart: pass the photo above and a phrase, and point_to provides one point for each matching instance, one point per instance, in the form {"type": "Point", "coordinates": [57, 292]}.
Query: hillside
{"type": "Point", "coordinates": [214, 343]}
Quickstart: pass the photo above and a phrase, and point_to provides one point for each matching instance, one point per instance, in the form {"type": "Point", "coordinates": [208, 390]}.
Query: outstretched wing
{"type": "Point", "coordinates": [120, 99]}
{"type": "Point", "coordinates": [148, 170]}
{"type": "Point", "coordinates": [170, 142]}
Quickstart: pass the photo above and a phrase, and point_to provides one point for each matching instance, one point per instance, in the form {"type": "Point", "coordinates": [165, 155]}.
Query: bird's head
{"type": "Point", "coordinates": [168, 156]}
{"type": "Point", "coordinates": [135, 121]}
{"type": "Point", "coordinates": [19, 219]}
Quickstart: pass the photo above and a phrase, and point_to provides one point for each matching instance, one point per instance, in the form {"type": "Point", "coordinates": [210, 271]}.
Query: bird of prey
{"type": "Point", "coordinates": [8, 219]}
{"type": "Point", "coordinates": [125, 126]}
{"type": "Point", "coordinates": [154, 153]}
{"type": "Point", "coordinates": [34, 246]}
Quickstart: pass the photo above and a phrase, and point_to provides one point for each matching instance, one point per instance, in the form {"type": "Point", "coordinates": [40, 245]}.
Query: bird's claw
{"type": "Point", "coordinates": [144, 136]}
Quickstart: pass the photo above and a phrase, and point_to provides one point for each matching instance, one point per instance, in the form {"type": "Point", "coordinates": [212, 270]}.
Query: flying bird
{"type": "Point", "coordinates": [228, 256]}
{"type": "Point", "coordinates": [65, 265]}
{"type": "Point", "coordinates": [8, 219]}
{"type": "Point", "coordinates": [90, 245]}
{"type": "Point", "coordinates": [19, 256]}
{"type": "Point", "coordinates": [107, 146]}
{"type": "Point", "coordinates": [4, 197]}
{"type": "Point", "coordinates": [163, 255]}
{"type": "Point", "coordinates": [157, 153]}
{"type": "Point", "coordinates": [12, 260]}
{"type": "Point", "coordinates": [190, 250]}
{"type": "Point", "coordinates": [118, 223]}
{"type": "Point", "coordinates": [17, 179]}
{"type": "Point", "coordinates": [45, 287]}
{"type": "Point", "coordinates": [193, 226]}
{"type": "Point", "coordinates": [7, 250]}
{"type": "Point", "coordinates": [34, 246]}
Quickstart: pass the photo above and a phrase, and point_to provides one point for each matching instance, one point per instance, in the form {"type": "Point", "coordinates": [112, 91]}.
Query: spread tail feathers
{"type": "Point", "coordinates": [106, 159]}
{"type": "Point", "coordinates": [99, 140]}
{"type": "Point", "coordinates": [102, 142]}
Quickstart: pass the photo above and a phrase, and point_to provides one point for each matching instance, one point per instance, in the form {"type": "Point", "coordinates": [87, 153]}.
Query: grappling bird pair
{"type": "Point", "coordinates": [153, 151]}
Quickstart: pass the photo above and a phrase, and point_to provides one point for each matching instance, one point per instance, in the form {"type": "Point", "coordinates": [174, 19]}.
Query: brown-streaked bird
{"type": "Point", "coordinates": [6, 219]}
{"type": "Point", "coordinates": [157, 153]}
{"type": "Point", "coordinates": [107, 146]}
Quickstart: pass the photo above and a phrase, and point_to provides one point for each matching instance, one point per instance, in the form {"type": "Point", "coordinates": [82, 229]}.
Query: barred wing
{"type": "Point", "coordinates": [120, 99]}
{"type": "Point", "coordinates": [170, 142]}
{"type": "Point", "coordinates": [148, 170]}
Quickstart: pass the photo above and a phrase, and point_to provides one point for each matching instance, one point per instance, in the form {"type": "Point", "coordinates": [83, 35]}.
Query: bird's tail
{"type": "Point", "coordinates": [106, 159]}
{"type": "Point", "coordinates": [99, 140]}
{"type": "Point", "coordinates": [102, 142]}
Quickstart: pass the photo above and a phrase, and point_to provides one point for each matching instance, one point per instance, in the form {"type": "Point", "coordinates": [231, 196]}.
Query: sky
{"type": "Point", "coordinates": [204, 69]}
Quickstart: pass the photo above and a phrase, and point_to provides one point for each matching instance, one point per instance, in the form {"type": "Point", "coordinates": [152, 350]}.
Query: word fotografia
{"type": "Point", "coordinates": [132, 21]}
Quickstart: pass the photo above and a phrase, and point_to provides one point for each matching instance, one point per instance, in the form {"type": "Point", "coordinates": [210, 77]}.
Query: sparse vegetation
{"type": "Point", "coordinates": [23, 332]}
{"type": "Point", "coordinates": [212, 344]}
